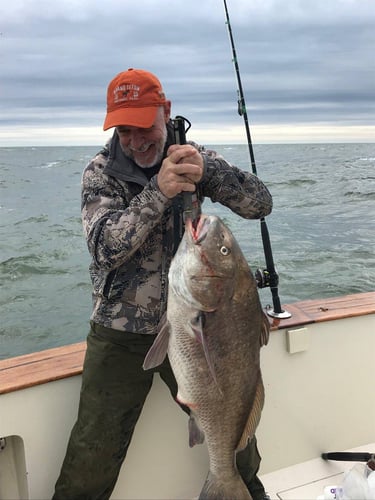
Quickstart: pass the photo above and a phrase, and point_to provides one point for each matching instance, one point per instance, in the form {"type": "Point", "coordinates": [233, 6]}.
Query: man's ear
{"type": "Point", "coordinates": [167, 111]}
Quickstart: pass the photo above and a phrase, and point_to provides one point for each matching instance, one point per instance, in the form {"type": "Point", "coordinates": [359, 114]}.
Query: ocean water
{"type": "Point", "coordinates": [322, 233]}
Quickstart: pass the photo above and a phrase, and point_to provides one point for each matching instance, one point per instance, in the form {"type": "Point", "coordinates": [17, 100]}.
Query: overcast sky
{"type": "Point", "coordinates": [307, 67]}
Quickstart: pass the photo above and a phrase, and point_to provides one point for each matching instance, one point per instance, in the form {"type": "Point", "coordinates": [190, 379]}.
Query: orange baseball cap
{"type": "Point", "coordinates": [133, 98]}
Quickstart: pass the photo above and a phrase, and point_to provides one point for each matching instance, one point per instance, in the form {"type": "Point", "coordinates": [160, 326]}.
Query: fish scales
{"type": "Point", "coordinates": [213, 334]}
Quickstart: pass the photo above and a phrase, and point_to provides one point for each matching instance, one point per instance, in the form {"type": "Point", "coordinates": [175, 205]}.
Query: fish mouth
{"type": "Point", "coordinates": [198, 228]}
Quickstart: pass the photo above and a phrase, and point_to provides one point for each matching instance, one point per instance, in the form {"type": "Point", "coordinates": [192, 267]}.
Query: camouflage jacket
{"type": "Point", "coordinates": [133, 231]}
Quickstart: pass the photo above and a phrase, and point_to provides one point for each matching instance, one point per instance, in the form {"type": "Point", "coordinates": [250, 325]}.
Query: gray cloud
{"type": "Point", "coordinates": [299, 63]}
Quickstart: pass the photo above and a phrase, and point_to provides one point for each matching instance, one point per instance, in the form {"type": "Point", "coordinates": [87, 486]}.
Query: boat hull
{"type": "Point", "coordinates": [318, 376]}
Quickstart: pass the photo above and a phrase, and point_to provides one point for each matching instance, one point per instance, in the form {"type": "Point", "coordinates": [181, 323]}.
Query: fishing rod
{"type": "Point", "coordinates": [268, 276]}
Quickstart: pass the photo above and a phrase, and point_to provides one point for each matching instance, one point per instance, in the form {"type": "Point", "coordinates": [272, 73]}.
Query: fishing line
{"type": "Point", "coordinates": [268, 276]}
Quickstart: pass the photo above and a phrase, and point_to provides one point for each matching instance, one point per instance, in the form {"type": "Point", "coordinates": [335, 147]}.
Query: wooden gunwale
{"type": "Point", "coordinates": [37, 368]}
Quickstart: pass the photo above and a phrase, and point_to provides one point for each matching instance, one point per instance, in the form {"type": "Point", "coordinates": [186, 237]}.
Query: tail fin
{"type": "Point", "coordinates": [231, 488]}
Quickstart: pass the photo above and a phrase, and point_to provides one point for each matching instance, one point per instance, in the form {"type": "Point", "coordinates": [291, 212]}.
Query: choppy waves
{"type": "Point", "coordinates": [321, 228]}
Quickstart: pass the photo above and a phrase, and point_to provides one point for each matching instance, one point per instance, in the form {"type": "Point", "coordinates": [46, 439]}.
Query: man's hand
{"type": "Point", "coordinates": [180, 170]}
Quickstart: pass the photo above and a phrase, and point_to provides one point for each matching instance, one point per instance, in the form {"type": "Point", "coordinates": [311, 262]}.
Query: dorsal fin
{"type": "Point", "coordinates": [265, 330]}
{"type": "Point", "coordinates": [254, 415]}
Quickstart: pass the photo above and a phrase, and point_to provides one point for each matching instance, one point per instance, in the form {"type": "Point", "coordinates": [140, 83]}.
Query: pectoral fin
{"type": "Point", "coordinates": [159, 348]}
{"type": "Point", "coordinates": [254, 416]}
{"type": "Point", "coordinates": [197, 327]}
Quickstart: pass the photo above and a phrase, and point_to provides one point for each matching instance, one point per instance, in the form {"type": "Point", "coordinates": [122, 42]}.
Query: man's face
{"type": "Point", "coordinates": [146, 145]}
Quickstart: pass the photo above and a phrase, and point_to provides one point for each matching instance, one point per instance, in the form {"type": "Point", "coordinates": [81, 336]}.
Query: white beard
{"type": "Point", "coordinates": [155, 159]}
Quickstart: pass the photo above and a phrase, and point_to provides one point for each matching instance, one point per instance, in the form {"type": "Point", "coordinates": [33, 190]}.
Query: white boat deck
{"type": "Point", "coordinates": [307, 480]}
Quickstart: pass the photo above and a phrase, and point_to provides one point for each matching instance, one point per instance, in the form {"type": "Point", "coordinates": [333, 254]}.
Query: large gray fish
{"type": "Point", "coordinates": [213, 334]}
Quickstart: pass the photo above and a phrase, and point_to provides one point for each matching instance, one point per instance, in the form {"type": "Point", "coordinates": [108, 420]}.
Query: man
{"type": "Point", "coordinates": [132, 212]}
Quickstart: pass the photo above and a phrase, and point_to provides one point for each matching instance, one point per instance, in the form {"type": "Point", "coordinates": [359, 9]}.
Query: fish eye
{"type": "Point", "coordinates": [225, 250]}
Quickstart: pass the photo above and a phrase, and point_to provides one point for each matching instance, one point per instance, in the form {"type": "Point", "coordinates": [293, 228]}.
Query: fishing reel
{"type": "Point", "coordinates": [266, 279]}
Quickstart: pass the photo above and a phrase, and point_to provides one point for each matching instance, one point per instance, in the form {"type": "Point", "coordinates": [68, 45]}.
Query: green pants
{"type": "Point", "coordinates": [114, 389]}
